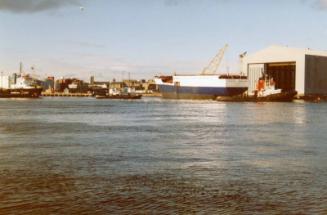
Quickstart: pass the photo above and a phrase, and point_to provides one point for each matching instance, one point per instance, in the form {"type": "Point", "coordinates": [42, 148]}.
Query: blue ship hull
{"type": "Point", "coordinates": [179, 92]}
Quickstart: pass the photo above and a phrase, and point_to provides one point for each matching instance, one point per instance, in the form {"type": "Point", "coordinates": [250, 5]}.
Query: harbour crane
{"type": "Point", "coordinates": [215, 62]}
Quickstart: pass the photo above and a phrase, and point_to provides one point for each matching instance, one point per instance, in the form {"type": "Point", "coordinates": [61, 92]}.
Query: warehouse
{"type": "Point", "coordinates": [303, 70]}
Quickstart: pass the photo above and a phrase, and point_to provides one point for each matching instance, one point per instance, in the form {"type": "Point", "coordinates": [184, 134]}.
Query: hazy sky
{"type": "Point", "coordinates": [110, 38]}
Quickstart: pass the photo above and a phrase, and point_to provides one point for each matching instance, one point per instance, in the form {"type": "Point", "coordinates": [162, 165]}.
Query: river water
{"type": "Point", "coordinates": [154, 156]}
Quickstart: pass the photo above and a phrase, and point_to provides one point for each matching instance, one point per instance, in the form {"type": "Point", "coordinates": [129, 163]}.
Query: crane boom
{"type": "Point", "coordinates": [215, 62]}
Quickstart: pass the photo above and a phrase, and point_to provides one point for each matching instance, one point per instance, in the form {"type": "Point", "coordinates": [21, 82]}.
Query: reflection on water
{"type": "Point", "coordinates": [86, 156]}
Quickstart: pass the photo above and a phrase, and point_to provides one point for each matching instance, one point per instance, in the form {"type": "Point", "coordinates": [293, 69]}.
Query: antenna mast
{"type": "Point", "coordinates": [20, 68]}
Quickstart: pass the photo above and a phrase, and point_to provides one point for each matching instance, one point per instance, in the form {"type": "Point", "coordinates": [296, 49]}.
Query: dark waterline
{"type": "Point", "coordinates": [88, 156]}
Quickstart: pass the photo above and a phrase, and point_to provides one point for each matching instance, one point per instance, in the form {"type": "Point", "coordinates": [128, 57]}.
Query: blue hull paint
{"type": "Point", "coordinates": [178, 92]}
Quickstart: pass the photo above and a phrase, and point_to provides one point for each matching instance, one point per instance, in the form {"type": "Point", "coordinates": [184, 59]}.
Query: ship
{"type": "Point", "coordinates": [207, 85]}
{"type": "Point", "coordinates": [19, 86]}
{"type": "Point", "coordinates": [201, 86]}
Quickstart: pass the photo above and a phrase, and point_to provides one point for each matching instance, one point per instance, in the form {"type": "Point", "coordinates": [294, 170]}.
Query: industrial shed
{"type": "Point", "coordinates": [303, 70]}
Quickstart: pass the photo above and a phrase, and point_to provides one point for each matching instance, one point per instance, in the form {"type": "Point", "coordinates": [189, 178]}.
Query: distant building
{"type": "Point", "coordinates": [48, 84]}
{"type": "Point", "coordinates": [98, 87]}
{"type": "Point", "coordinates": [117, 85]}
{"type": "Point", "coordinates": [92, 80]}
{"type": "Point", "coordinates": [13, 78]}
{"type": "Point", "coordinates": [78, 86]}
{"type": "Point", "coordinates": [62, 84]}
{"type": "Point", "coordinates": [73, 85]}
{"type": "Point", "coordinates": [150, 86]}
{"type": "Point", "coordinates": [137, 85]}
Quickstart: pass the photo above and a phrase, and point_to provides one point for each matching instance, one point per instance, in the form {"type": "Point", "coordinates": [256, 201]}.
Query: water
{"type": "Point", "coordinates": [88, 156]}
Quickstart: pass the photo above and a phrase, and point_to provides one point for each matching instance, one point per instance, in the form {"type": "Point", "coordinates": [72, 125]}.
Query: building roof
{"type": "Point", "coordinates": [277, 53]}
{"type": "Point", "coordinates": [286, 49]}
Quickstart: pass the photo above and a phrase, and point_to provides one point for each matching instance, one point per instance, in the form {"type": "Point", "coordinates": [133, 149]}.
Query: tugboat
{"type": "Point", "coordinates": [265, 92]}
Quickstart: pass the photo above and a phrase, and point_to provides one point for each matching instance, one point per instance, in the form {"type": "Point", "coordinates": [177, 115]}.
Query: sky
{"type": "Point", "coordinates": [111, 38]}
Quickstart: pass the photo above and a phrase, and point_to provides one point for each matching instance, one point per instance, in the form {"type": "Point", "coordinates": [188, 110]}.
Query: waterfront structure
{"type": "Point", "coordinates": [23, 82]}
{"type": "Point", "coordinates": [302, 70]}
{"type": "Point", "coordinates": [48, 84]}
{"type": "Point", "coordinates": [117, 85]}
{"type": "Point", "coordinates": [61, 84]}
{"type": "Point", "coordinates": [92, 80]}
{"type": "Point", "coordinates": [149, 86]}
{"type": "Point", "coordinates": [13, 78]}
{"type": "Point", "coordinates": [98, 87]}
{"type": "Point", "coordinates": [4, 81]}
{"type": "Point", "coordinates": [71, 85]}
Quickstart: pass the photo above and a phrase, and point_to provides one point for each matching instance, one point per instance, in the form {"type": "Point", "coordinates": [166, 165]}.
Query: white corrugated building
{"type": "Point", "coordinates": [303, 70]}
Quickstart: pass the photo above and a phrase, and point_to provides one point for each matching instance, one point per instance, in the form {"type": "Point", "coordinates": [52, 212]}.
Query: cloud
{"type": "Point", "coordinates": [316, 4]}
{"type": "Point", "coordinates": [322, 4]}
{"type": "Point", "coordinates": [34, 6]}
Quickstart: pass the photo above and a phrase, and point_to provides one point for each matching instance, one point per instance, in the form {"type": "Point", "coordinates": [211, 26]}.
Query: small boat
{"type": "Point", "coordinates": [120, 96]}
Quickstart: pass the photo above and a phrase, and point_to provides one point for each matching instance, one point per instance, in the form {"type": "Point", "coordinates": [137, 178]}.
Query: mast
{"type": "Point", "coordinates": [20, 68]}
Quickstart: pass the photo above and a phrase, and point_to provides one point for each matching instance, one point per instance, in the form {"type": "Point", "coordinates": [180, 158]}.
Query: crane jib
{"type": "Point", "coordinates": [215, 62]}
